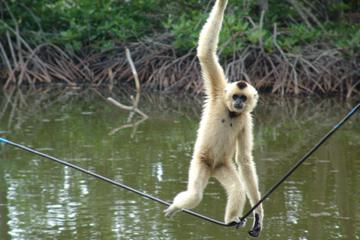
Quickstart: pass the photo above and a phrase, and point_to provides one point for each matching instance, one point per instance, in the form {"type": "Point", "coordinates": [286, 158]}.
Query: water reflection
{"type": "Point", "coordinates": [42, 200]}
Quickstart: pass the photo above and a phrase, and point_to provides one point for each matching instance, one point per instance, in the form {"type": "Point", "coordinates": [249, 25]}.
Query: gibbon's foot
{"type": "Point", "coordinates": [240, 223]}
{"type": "Point", "coordinates": [256, 229]}
{"type": "Point", "coordinates": [237, 222]}
{"type": "Point", "coordinates": [171, 211]}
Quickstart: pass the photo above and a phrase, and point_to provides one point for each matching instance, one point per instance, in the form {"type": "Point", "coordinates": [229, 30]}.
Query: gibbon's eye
{"type": "Point", "coordinates": [241, 97]}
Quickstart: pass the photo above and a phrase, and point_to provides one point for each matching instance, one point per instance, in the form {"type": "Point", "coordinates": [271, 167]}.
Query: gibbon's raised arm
{"type": "Point", "coordinates": [213, 73]}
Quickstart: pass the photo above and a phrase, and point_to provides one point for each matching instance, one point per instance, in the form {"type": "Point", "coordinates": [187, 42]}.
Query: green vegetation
{"type": "Point", "coordinates": [80, 23]}
{"type": "Point", "coordinates": [104, 23]}
{"type": "Point", "coordinates": [287, 27]}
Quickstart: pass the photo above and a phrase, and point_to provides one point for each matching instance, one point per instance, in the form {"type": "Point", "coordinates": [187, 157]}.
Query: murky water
{"type": "Point", "coordinates": [40, 199]}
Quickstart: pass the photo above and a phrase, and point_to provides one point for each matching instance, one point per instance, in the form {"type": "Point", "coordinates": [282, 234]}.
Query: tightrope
{"type": "Point", "coordinates": [303, 159]}
{"type": "Point", "coordinates": [113, 182]}
{"type": "Point", "coordinates": [192, 213]}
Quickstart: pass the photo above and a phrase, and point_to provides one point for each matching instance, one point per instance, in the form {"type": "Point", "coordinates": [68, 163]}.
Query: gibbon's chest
{"type": "Point", "coordinates": [221, 121]}
{"type": "Point", "coordinates": [226, 128]}
{"type": "Point", "coordinates": [218, 132]}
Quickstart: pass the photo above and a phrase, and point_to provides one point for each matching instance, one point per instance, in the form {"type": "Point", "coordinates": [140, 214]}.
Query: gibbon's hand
{"type": "Point", "coordinates": [256, 229]}
{"type": "Point", "coordinates": [171, 211]}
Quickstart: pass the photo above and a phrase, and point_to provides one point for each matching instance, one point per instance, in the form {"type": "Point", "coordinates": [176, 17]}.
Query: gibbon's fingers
{"type": "Point", "coordinates": [171, 211]}
{"type": "Point", "coordinates": [256, 229]}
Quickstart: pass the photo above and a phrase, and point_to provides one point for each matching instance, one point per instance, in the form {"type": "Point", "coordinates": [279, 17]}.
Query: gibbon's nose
{"type": "Point", "coordinates": [239, 104]}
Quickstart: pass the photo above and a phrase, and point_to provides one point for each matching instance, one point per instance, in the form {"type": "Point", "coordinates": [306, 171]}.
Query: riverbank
{"type": "Point", "coordinates": [281, 51]}
{"type": "Point", "coordinates": [316, 69]}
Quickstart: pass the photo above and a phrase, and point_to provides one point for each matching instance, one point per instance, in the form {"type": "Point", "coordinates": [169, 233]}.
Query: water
{"type": "Point", "coordinates": [40, 199]}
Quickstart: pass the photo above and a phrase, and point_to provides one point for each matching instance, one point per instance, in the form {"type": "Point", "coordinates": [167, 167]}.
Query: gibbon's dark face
{"type": "Point", "coordinates": [240, 97]}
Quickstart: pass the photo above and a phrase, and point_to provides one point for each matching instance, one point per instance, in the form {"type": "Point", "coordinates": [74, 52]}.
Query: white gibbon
{"type": "Point", "coordinates": [225, 130]}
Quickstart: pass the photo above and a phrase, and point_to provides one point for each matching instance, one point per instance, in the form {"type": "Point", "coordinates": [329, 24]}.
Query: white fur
{"type": "Point", "coordinates": [221, 135]}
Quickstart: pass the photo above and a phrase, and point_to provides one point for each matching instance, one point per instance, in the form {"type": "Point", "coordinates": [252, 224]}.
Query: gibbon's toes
{"type": "Point", "coordinates": [237, 222]}
{"type": "Point", "coordinates": [240, 223]}
{"type": "Point", "coordinates": [171, 211]}
{"type": "Point", "coordinates": [256, 229]}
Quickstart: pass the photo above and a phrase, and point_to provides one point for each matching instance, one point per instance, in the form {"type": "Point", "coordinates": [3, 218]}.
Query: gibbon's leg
{"type": "Point", "coordinates": [229, 179]}
{"type": "Point", "coordinates": [213, 73]}
{"type": "Point", "coordinates": [199, 175]}
{"type": "Point", "coordinates": [248, 174]}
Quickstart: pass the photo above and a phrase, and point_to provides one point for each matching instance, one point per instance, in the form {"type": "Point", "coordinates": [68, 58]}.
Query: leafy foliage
{"type": "Point", "coordinates": [102, 24]}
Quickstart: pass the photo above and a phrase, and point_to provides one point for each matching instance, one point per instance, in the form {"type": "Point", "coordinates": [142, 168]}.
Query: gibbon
{"type": "Point", "coordinates": [225, 129]}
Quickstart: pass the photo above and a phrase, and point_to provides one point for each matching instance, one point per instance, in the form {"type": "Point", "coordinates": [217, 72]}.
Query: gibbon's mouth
{"type": "Point", "coordinates": [238, 106]}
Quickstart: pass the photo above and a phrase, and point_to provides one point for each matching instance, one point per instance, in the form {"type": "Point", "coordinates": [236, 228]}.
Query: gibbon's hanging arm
{"type": "Point", "coordinates": [195, 214]}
